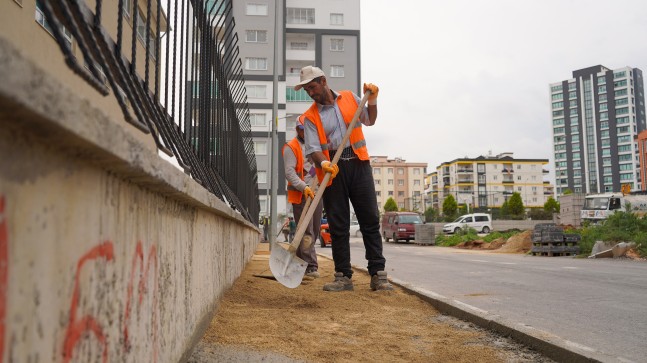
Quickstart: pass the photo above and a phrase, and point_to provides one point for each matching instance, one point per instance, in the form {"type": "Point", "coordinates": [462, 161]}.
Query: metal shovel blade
{"type": "Point", "coordinates": [287, 268]}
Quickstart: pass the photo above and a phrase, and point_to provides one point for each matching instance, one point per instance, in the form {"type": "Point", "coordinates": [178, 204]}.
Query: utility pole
{"type": "Point", "coordinates": [275, 125]}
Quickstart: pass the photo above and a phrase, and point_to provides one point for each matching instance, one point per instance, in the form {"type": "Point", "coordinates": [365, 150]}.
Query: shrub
{"type": "Point", "coordinates": [457, 238]}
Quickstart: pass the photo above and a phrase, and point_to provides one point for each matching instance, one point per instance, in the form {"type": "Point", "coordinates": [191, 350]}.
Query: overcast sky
{"type": "Point", "coordinates": [461, 78]}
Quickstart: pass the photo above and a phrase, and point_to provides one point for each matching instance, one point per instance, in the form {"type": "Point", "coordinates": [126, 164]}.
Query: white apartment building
{"type": "Point", "coordinates": [488, 181]}
{"type": "Point", "coordinates": [325, 34]}
{"type": "Point", "coordinates": [400, 180]}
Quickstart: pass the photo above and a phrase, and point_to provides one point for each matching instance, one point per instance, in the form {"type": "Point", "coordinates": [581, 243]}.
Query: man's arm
{"type": "Point", "coordinates": [290, 162]}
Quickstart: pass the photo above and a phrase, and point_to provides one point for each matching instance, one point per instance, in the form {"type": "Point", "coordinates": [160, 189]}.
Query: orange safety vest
{"type": "Point", "coordinates": [294, 194]}
{"type": "Point", "coordinates": [347, 105]}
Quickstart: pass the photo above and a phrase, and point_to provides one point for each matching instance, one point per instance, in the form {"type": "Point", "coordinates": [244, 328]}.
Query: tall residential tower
{"type": "Point", "coordinates": [325, 34]}
{"type": "Point", "coordinates": [596, 116]}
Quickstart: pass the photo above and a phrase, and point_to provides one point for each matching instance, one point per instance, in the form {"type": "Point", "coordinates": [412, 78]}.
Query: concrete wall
{"type": "Point", "coordinates": [501, 225]}
{"type": "Point", "coordinates": [107, 252]}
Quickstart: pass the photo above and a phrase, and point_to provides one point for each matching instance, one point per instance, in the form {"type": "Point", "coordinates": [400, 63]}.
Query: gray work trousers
{"type": "Point", "coordinates": [309, 255]}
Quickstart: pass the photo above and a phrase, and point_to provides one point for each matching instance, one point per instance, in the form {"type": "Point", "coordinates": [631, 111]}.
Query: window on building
{"type": "Point", "coordinates": [376, 170]}
{"type": "Point", "coordinates": [256, 36]}
{"type": "Point", "coordinates": [256, 64]}
{"type": "Point", "coordinates": [416, 171]}
{"type": "Point", "coordinates": [337, 45]}
{"type": "Point", "coordinates": [298, 46]}
{"type": "Point", "coordinates": [401, 193]}
{"type": "Point", "coordinates": [301, 16]}
{"type": "Point", "coordinates": [416, 182]}
{"type": "Point", "coordinates": [400, 205]}
{"type": "Point", "coordinates": [400, 171]}
{"type": "Point", "coordinates": [390, 193]}
{"type": "Point", "coordinates": [390, 182]}
{"type": "Point", "coordinates": [377, 181]}
{"type": "Point", "coordinates": [256, 9]}
{"type": "Point", "coordinates": [336, 19]}
{"type": "Point", "coordinates": [257, 119]}
{"type": "Point", "coordinates": [389, 170]}
{"type": "Point", "coordinates": [256, 91]}
{"type": "Point", "coordinates": [128, 8]}
{"type": "Point", "coordinates": [337, 71]}
{"type": "Point", "coordinates": [260, 147]}
{"type": "Point", "coordinates": [378, 193]}
{"type": "Point", "coordinates": [262, 176]}
{"type": "Point", "coordinates": [400, 182]}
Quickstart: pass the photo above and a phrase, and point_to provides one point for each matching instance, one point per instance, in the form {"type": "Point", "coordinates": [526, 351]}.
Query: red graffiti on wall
{"type": "Point", "coordinates": [142, 289]}
{"type": "Point", "coordinates": [77, 328]}
{"type": "Point", "coordinates": [4, 271]}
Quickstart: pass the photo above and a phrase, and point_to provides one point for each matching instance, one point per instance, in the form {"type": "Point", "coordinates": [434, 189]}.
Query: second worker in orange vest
{"type": "Point", "coordinates": [298, 173]}
{"type": "Point", "coordinates": [326, 123]}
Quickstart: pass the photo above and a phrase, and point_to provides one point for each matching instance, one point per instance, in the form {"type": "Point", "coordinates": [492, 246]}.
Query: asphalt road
{"type": "Point", "coordinates": [594, 304]}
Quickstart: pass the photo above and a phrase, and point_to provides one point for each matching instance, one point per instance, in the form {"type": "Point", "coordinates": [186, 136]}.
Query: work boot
{"type": "Point", "coordinates": [380, 283]}
{"type": "Point", "coordinates": [313, 273]}
{"type": "Point", "coordinates": [341, 283]}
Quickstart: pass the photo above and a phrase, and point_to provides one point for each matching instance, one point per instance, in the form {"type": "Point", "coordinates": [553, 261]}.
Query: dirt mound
{"type": "Point", "coordinates": [519, 243]}
{"type": "Point", "coordinates": [482, 245]}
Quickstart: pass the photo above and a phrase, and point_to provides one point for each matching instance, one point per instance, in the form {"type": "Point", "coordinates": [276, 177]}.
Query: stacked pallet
{"type": "Point", "coordinates": [548, 239]}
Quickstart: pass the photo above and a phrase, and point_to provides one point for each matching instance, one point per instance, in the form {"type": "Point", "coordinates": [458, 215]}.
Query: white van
{"type": "Point", "coordinates": [479, 221]}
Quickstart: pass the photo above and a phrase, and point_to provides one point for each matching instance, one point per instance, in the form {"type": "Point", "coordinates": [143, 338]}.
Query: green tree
{"type": "Point", "coordinates": [567, 191]}
{"type": "Point", "coordinates": [390, 205]}
{"type": "Point", "coordinates": [551, 206]}
{"type": "Point", "coordinates": [515, 204]}
{"type": "Point", "coordinates": [450, 207]}
{"type": "Point", "coordinates": [504, 212]}
{"type": "Point", "coordinates": [430, 213]}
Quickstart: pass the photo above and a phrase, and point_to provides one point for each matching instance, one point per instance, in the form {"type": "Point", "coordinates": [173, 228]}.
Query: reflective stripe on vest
{"type": "Point", "coordinates": [347, 105]}
{"type": "Point", "coordinates": [295, 195]}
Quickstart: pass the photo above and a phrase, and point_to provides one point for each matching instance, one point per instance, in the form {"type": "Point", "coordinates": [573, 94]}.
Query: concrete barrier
{"type": "Point", "coordinates": [107, 252]}
{"type": "Point", "coordinates": [502, 225]}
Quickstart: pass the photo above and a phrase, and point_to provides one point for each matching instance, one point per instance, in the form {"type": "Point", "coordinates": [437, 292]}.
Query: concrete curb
{"type": "Point", "coordinates": [550, 345]}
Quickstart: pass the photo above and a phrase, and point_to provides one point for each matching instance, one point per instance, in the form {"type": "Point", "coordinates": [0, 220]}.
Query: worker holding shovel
{"type": "Point", "coordinates": [299, 172]}
{"type": "Point", "coordinates": [326, 123]}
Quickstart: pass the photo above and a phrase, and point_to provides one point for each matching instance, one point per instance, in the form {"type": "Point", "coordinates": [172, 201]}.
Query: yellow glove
{"type": "Point", "coordinates": [372, 98]}
{"type": "Point", "coordinates": [329, 167]}
{"type": "Point", "coordinates": [307, 192]}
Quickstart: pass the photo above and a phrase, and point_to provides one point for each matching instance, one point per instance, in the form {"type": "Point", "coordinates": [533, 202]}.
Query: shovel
{"type": "Point", "coordinates": [287, 268]}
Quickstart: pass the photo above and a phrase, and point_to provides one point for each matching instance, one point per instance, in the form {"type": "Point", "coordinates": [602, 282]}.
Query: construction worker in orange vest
{"type": "Point", "coordinates": [326, 123]}
{"type": "Point", "coordinates": [298, 171]}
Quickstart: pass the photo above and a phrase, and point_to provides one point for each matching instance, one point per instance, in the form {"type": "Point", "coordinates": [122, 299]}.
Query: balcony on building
{"type": "Point", "coordinates": [507, 168]}
{"type": "Point", "coordinates": [465, 179]}
{"type": "Point", "coordinates": [545, 171]}
{"type": "Point", "coordinates": [300, 47]}
{"type": "Point", "coordinates": [465, 168]}
{"type": "Point", "coordinates": [508, 179]}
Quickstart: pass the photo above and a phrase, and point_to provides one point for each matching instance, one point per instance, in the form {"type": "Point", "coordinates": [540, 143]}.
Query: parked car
{"type": "Point", "coordinates": [399, 225]}
{"type": "Point", "coordinates": [324, 236]}
{"type": "Point", "coordinates": [354, 229]}
{"type": "Point", "coordinates": [479, 221]}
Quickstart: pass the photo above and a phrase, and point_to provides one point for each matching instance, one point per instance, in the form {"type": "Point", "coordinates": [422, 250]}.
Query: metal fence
{"type": "Point", "coordinates": [181, 80]}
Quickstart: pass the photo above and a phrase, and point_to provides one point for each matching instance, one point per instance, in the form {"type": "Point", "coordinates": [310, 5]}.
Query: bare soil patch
{"type": "Point", "coordinates": [312, 325]}
{"type": "Point", "coordinates": [519, 243]}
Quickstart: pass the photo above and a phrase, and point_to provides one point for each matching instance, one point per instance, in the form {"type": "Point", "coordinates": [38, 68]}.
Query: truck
{"type": "Point", "coordinates": [598, 207]}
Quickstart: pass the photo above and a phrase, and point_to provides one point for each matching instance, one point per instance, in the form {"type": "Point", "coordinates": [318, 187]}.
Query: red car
{"type": "Point", "coordinates": [324, 236]}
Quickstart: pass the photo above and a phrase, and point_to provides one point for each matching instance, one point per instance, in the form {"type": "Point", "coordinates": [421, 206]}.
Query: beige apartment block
{"type": "Point", "coordinates": [400, 180]}
{"type": "Point", "coordinates": [488, 181]}
{"type": "Point", "coordinates": [24, 25]}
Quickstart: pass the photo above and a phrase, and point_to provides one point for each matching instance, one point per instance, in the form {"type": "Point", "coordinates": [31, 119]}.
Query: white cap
{"type": "Point", "coordinates": [308, 73]}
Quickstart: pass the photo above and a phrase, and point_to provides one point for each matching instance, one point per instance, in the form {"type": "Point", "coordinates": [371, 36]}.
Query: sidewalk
{"type": "Point", "coordinates": [259, 319]}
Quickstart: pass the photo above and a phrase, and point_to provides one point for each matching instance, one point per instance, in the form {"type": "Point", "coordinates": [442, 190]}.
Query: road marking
{"type": "Point", "coordinates": [480, 261]}
{"type": "Point", "coordinates": [570, 267]}
{"type": "Point", "coordinates": [507, 263]}
{"type": "Point", "coordinates": [470, 307]}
